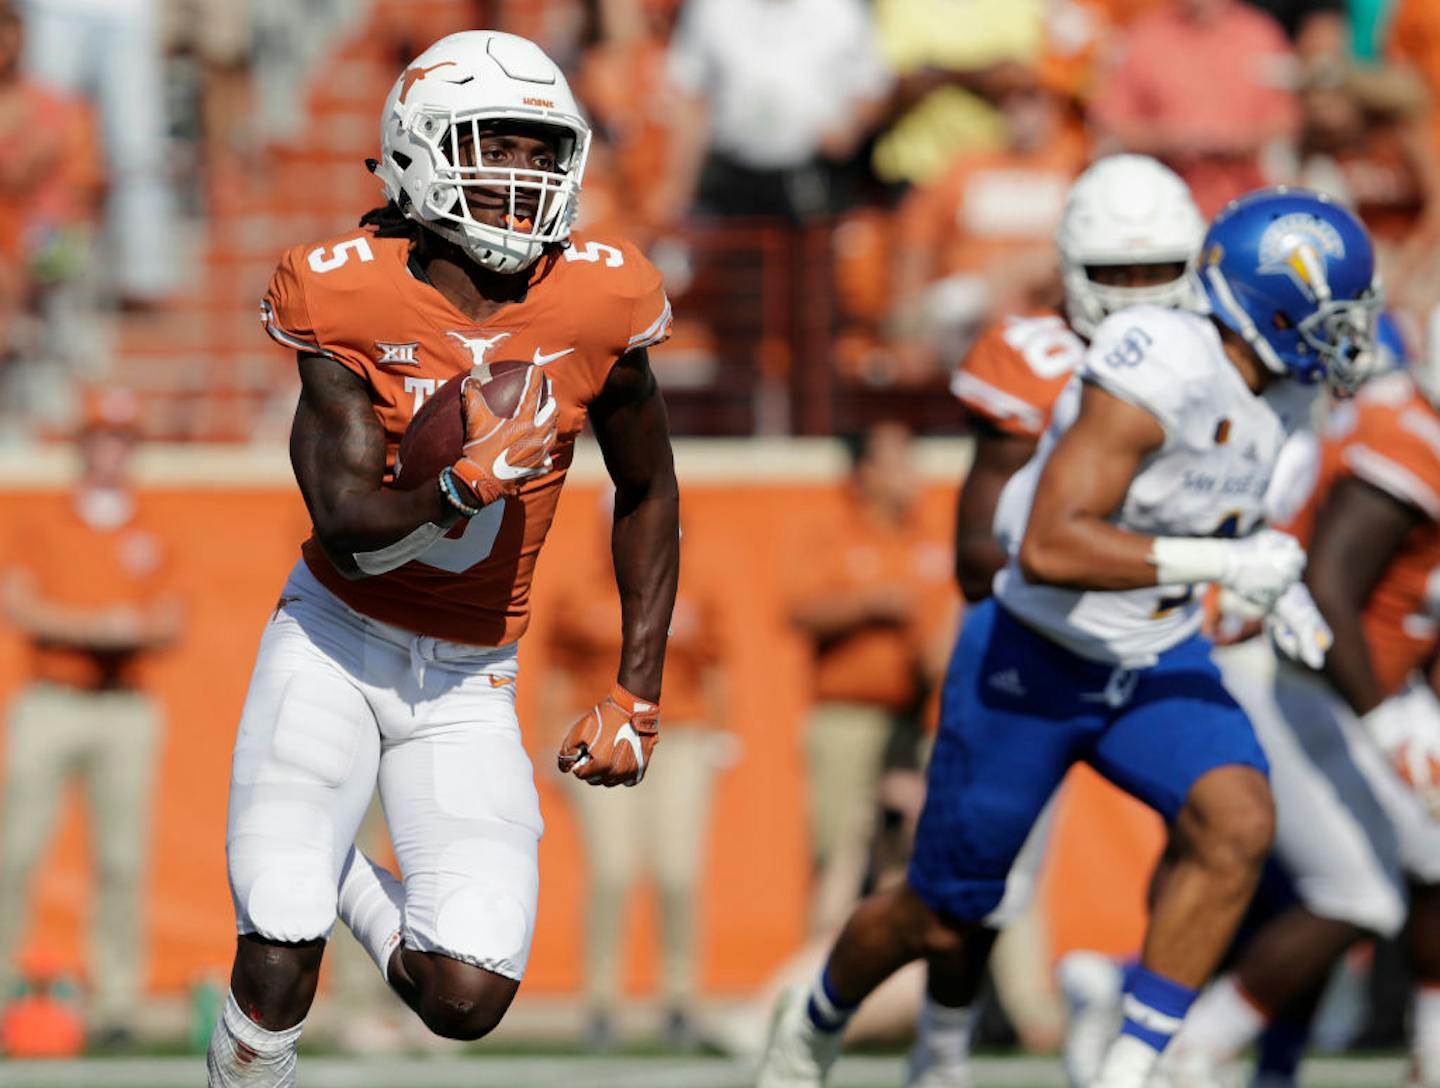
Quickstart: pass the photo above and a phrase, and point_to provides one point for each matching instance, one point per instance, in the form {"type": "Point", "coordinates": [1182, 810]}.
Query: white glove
{"type": "Point", "coordinates": [1298, 629]}
{"type": "Point", "coordinates": [1407, 729]}
{"type": "Point", "coordinates": [1257, 569]}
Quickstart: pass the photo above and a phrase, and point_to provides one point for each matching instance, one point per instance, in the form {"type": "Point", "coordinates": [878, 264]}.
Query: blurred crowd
{"type": "Point", "coordinates": [888, 172]}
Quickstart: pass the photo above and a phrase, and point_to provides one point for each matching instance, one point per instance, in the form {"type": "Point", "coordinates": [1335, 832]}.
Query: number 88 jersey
{"type": "Point", "coordinates": [361, 301]}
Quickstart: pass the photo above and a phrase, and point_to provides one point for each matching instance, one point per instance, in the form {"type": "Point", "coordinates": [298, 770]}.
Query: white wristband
{"type": "Point", "coordinates": [1182, 560]}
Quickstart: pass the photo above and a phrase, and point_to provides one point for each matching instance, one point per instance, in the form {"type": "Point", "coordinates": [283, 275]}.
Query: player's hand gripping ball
{"type": "Point", "coordinates": [493, 429]}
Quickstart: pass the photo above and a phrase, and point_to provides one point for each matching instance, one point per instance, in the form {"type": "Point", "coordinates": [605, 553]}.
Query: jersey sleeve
{"type": "Point", "coordinates": [1015, 371]}
{"type": "Point", "coordinates": [1397, 450]}
{"type": "Point", "coordinates": [650, 313]}
{"type": "Point", "coordinates": [1145, 356]}
{"type": "Point", "coordinates": [285, 312]}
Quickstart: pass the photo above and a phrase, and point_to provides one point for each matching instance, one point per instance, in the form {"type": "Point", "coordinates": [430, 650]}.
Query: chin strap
{"type": "Point", "coordinates": [1240, 321]}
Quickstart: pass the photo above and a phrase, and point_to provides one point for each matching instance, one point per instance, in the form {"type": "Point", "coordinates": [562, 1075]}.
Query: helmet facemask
{"type": "Point", "coordinates": [535, 206]}
{"type": "Point", "coordinates": [1341, 333]}
{"type": "Point", "coordinates": [1088, 301]}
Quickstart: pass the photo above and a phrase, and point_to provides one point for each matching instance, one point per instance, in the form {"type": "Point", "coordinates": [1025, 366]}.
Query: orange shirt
{"type": "Point", "coordinates": [78, 564]}
{"type": "Point", "coordinates": [1415, 40]}
{"type": "Point", "coordinates": [1389, 436]}
{"type": "Point", "coordinates": [991, 205]}
{"type": "Point", "coordinates": [50, 172]}
{"type": "Point", "coordinates": [586, 643]}
{"type": "Point", "coordinates": [877, 664]}
{"type": "Point", "coordinates": [1016, 369]}
{"type": "Point", "coordinates": [354, 299]}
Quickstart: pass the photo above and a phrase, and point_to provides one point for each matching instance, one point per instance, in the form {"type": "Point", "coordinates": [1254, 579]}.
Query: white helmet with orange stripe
{"type": "Point", "coordinates": [1124, 212]}
{"type": "Point", "coordinates": [464, 88]}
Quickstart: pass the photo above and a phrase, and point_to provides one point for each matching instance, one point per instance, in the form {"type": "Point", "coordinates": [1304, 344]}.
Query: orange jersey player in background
{"type": "Point", "coordinates": [1354, 751]}
{"type": "Point", "coordinates": [391, 656]}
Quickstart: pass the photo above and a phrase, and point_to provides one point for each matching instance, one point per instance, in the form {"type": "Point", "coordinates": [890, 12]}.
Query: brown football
{"type": "Point", "coordinates": [436, 435]}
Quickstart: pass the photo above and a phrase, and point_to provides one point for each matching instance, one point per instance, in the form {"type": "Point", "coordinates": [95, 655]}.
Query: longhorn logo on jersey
{"type": "Point", "coordinates": [1299, 246]}
{"type": "Point", "coordinates": [478, 346]}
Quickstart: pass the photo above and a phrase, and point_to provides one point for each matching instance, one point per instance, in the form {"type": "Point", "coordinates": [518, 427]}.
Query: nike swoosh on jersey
{"type": "Point", "coordinates": [541, 359]}
{"type": "Point", "coordinates": [499, 681]}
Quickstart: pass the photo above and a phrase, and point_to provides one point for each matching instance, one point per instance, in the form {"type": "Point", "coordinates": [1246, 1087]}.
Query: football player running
{"type": "Point", "coordinates": [1355, 749]}
{"type": "Point", "coordinates": [391, 656]}
{"type": "Point", "coordinates": [1148, 483]}
{"type": "Point", "coordinates": [1129, 235]}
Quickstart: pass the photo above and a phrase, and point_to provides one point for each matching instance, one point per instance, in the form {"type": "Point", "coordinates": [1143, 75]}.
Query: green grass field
{"type": "Point", "coordinates": [513, 1071]}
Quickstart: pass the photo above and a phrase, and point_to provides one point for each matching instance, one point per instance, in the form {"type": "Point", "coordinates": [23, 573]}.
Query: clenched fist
{"type": "Point", "coordinates": [611, 743]}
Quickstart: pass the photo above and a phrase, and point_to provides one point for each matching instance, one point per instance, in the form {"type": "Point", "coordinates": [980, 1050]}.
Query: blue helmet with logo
{"type": "Point", "coordinates": [1293, 273]}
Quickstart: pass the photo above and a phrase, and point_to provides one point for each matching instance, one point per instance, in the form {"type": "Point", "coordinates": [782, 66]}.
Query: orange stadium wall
{"type": "Point", "coordinates": [232, 540]}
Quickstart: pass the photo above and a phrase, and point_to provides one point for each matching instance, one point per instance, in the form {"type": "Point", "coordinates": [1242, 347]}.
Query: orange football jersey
{"type": "Point", "coordinates": [1016, 370]}
{"type": "Point", "coordinates": [354, 299]}
{"type": "Point", "coordinates": [1389, 436]}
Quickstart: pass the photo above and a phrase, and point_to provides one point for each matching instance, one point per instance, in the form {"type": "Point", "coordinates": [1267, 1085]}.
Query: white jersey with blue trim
{"type": "Point", "coordinates": [1208, 478]}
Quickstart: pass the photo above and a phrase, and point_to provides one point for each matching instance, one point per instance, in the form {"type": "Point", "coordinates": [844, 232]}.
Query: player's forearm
{"type": "Point", "coordinates": [1083, 552]}
{"type": "Point", "coordinates": [355, 523]}
{"type": "Point", "coordinates": [978, 558]}
{"type": "Point", "coordinates": [645, 544]}
{"type": "Point", "coordinates": [1347, 662]}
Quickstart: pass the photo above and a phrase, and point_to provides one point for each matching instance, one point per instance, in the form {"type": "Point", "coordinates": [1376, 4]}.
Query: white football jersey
{"type": "Point", "coordinates": [1209, 478]}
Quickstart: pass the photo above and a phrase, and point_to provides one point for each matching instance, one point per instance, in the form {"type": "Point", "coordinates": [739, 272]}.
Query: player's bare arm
{"type": "Point", "coordinates": [633, 430]}
{"type": "Point", "coordinates": [978, 555]}
{"type": "Point", "coordinates": [1357, 532]}
{"type": "Point", "coordinates": [1070, 540]}
{"type": "Point", "coordinates": [337, 448]}
{"type": "Point", "coordinates": [611, 744]}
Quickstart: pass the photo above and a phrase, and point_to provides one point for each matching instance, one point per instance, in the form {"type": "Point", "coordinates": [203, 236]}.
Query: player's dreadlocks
{"type": "Point", "coordinates": [390, 222]}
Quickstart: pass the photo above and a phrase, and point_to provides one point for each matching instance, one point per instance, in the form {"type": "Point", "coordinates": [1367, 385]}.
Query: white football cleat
{"type": "Point", "coordinates": [797, 1055]}
{"type": "Point", "coordinates": [925, 1072]}
{"type": "Point", "coordinates": [1189, 1067]}
{"type": "Point", "coordinates": [1092, 986]}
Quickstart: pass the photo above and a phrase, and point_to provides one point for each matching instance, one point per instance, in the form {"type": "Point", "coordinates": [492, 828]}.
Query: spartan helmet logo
{"type": "Point", "coordinates": [478, 346]}
{"type": "Point", "coordinates": [1299, 246]}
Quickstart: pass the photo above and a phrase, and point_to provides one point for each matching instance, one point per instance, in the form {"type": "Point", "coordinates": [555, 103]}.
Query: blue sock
{"type": "Point", "coordinates": [1281, 1047]}
{"type": "Point", "coordinates": [826, 1009]}
{"type": "Point", "coordinates": [1154, 1007]}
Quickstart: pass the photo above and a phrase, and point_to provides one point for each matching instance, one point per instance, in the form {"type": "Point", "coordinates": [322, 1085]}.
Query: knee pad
{"type": "Point", "coordinates": [484, 893]}
{"type": "Point", "coordinates": [281, 871]}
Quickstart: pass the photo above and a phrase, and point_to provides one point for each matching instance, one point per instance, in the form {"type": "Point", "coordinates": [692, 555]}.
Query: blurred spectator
{"type": "Point", "coordinates": [1204, 86]}
{"type": "Point", "coordinates": [773, 97]}
{"type": "Point", "coordinates": [952, 63]}
{"type": "Point", "coordinates": [1415, 41]}
{"type": "Point", "coordinates": [110, 49]}
{"type": "Point", "coordinates": [661, 829]}
{"type": "Point", "coordinates": [1366, 142]}
{"type": "Point", "coordinates": [872, 593]}
{"type": "Point", "coordinates": [981, 240]}
{"type": "Point", "coordinates": [623, 85]}
{"type": "Point", "coordinates": [49, 192]}
{"type": "Point", "coordinates": [290, 39]}
{"type": "Point", "coordinates": [85, 582]}
{"type": "Point", "coordinates": [1318, 28]}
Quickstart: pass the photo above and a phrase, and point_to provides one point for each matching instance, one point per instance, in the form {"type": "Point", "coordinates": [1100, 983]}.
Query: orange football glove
{"type": "Point", "coordinates": [611, 744]}
{"type": "Point", "coordinates": [502, 452]}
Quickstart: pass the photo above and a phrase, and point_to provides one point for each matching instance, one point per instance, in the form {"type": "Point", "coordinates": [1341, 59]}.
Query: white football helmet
{"type": "Point", "coordinates": [1124, 210]}
{"type": "Point", "coordinates": [441, 103]}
